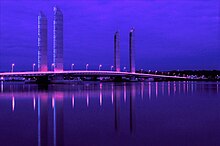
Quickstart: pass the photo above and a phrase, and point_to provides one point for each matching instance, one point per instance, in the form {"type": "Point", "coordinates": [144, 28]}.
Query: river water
{"type": "Point", "coordinates": [110, 114]}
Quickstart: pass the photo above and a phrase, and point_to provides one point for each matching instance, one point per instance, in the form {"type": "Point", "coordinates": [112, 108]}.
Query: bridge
{"type": "Point", "coordinates": [43, 75]}
{"type": "Point", "coordinates": [82, 73]}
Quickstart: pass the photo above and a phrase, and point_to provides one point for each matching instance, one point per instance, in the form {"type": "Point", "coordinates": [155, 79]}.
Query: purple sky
{"type": "Point", "coordinates": [169, 34]}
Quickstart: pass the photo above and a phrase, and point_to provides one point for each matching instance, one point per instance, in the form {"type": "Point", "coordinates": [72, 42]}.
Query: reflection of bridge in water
{"type": "Point", "coordinates": [117, 93]}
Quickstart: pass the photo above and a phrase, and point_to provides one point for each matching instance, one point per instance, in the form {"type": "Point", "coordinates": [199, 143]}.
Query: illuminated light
{"type": "Point", "coordinates": [100, 67]}
{"type": "Point", "coordinates": [184, 86]}
{"type": "Point", "coordinates": [163, 88]}
{"type": "Point", "coordinates": [168, 88]}
{"type": "Point", "coordinates": [100, 98]}
{"type": "Point", "coordinates": [112, 94]}
{"type": "Point", "coordinates": [34, 102]}
{"type": "Point", "coordinates": [12, 67]}
{"type": "Point", "coordinates": [124, 68]}
{"type": "Point", "coordinates": [13, 103]}
{"type": "Point", "coordinates": [125, 92]}
{"type": "Point", "coordinates": [87, 65]}
{"type": "Point", "coordinates": [142, 90]}
{"type": "Point", "coordinates": [141, 70]}
{"type": "Point", "coordinates": [192, 87]}
{"type": "Point", "coordinates": [174, 87]}
{"type": "Point", "coordinates": [112, 67]}
{"type": "Point", "coordinates": [187, 87]}
{"type": "Point", "coordinates": [100, 95]}
{"type": "Point", "coordinates": [72, 66]}
{"type": "Point", "coordinates": [156, 89]}
{"type": "Point", "coordinates": [73, 101]}
{"type": "Point", "coordinates": [33, 67]}
{"type": "Point", "coordinates": [2, 86]}
{"type": "Point", "coordinates": [52, 67]}
{"type": "Point", "coordinates": [53, 102]}
{"type": "Point", "coordinates": [149, 90]}
{"type": "Point", "coordinates": [87, 99]}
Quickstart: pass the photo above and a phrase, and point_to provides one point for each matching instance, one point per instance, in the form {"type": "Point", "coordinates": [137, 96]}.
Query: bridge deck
{"type": "Point", "coordinates": [86, 73]}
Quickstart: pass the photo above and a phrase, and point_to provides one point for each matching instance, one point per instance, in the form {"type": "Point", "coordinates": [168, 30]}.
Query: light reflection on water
{"type": "Point", "coordinates": [142, 113]}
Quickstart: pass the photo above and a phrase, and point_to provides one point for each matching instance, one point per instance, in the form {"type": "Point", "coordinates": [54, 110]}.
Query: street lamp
{"type": "Point", "coordinates": [72, 66]}
{"type": "Point", "coordinates": [52, 66]}
{"type": "Point", "coordinates": [149, 71]}
{"type": "Point", "coordinates": [87, 66]}
{"type": "Point", "coordinates": [141, 70]}
{"type": "Point", "coordinates": [33, 66]}
{"type": "Point", "coordinates": [12, 67]}
{"type": "Point", "coordinates": [100, 67]}
{"type": "Point", "coordinates": [155, 72]}
{"type": "Point", "coordinates": [112, 67]}
{"type": "Point", "coordinates": [124, 68]}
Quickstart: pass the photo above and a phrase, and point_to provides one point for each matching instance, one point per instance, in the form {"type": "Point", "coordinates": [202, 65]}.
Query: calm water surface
{"type": "Point", "coordinates": [110, 114]}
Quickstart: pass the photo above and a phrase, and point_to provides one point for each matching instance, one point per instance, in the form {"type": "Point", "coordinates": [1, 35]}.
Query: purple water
{"type": "Point", "coordinates": [110, 114]}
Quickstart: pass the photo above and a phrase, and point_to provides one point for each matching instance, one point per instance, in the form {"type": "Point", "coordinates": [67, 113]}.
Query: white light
{"type": "Point", "coordinates": [112, 67]}
{"type": "Point", "coordinates": [100, 66]}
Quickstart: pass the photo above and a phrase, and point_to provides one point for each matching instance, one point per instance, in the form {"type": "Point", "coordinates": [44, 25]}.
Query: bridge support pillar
{"type": "Point", "coordinates": [118, 79]}
{"type": "Point", "coordinates": [42, 80]}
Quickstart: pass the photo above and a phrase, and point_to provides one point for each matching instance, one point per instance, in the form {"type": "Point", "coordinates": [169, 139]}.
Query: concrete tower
{"type": "Point", "coordinates": [58, 40]}
{"type": "Point", "coordinates": [132, 51]}
{"type": "Point", "coordinates": [42, 42]}
{"type": "Point", "coordinates": [117, 51]}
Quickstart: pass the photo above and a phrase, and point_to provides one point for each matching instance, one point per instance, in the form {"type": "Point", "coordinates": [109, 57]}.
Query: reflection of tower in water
{"type": "Point", "coordinates": [58, 119]}
{"type": "Point", "coordinates": [42, 119]}
{"type": "Point", "coordinates": [132, 101]}
{"type": "Point", "coordinates": [116, 105]}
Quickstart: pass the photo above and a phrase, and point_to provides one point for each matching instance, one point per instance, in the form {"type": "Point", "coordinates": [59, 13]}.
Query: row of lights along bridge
{"type": "Point", "coordinates": [86, 67]}
{"type": "Point", "coordinates": [72, 67]}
